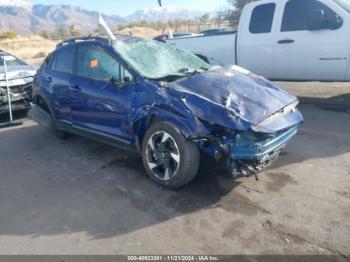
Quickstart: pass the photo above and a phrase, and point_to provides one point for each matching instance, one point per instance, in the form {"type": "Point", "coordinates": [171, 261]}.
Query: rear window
{"type": "Point", "coordinates": [63, 60]}
{"type": "Point", "coordinates": [262, 18]}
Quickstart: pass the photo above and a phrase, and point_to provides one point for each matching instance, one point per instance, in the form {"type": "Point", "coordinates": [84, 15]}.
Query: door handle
{"type": "Point", "coordinates": [48, 79]}
{"type": "Point", "coordinates": [286, 41]}
{"type": "Point", "coordinates": [75, 88]}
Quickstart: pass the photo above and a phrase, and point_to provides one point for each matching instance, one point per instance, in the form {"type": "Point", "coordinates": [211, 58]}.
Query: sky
{"type": "Point", "coordinates": [127, 7]}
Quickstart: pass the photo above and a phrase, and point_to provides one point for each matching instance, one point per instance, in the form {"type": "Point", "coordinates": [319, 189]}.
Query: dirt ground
{"type": "Point", "coordinates": [83, 197]}
{"type": "Point", "coordinates": [28, 48]}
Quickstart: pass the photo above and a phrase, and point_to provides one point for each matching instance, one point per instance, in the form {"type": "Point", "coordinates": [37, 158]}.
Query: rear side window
{"type": "Point", "coordinates": [63, 60]}
{"type": "Point", "coordinates": [297, 12]}
{"type": "Point", "coordinates": [93, 62]}
{"type": "Point", "coordinates": [262, 18]}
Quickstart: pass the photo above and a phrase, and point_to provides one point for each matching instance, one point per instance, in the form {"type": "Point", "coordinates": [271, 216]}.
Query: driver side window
{"type": "Point", "coordinates": [93, 62]}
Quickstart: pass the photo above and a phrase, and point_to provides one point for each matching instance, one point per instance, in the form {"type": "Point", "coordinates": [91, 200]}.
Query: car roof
{"type": "Point", "coordinates": [95, 39]}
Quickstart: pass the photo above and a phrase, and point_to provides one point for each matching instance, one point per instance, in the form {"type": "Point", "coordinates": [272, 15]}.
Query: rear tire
{"type": "Point", "coordinates": [57, 132]}
{"type": "Point", "coordinates": [53, 125]}
{"type": "Point", "coordinates": [168, 157]}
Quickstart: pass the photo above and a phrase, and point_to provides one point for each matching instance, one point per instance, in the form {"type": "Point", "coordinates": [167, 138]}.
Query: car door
{"type": "Point", "coordinates": [101, 93]}
{"type": "Point", "coordinates": [255, 42]}
{"type": "Point", "coordinates": [307, 51]}
{"type": "Point", "coordinates": [57, 82]}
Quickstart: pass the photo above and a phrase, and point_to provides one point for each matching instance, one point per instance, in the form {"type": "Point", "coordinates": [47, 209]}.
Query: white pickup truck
{"type": "Point", "coordinates": [284, 40]}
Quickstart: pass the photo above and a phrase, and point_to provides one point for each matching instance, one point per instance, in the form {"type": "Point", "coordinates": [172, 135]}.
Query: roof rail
{"type": "Point", "coordinates": [83, 39]}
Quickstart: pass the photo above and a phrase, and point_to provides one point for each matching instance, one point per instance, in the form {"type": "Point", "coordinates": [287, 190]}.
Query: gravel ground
{"type": "Point", "coordinates": [83, 197]}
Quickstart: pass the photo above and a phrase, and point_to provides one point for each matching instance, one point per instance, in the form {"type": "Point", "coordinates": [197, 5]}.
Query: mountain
{"type": "Point", "coordinates": [16, 3]}
{"type": "Point", "coordinates": [19, 18]}
{"type": "Point", "coordinates": [163, 13]}
{"type": "Point", "coordinates": [24, 18]}
{"type": "Point", "coordinates": [65, 15]}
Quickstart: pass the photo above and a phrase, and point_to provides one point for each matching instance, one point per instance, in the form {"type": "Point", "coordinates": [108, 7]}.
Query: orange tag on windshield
{"type": "Point", "coordinates": [94, 63]}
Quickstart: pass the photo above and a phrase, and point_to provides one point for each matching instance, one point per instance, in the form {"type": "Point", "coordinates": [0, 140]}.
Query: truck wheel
{"type": "Point", "coordinates": [168, 157]}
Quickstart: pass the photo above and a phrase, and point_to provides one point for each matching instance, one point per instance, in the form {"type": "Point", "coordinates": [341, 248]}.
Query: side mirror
{"type": "Point", "coordinates": [116, 82]}
{"type": "Point", "coordinates": [316, 20]}
{"type": "Point", "coordinates": [335, 22]}
{"type": "Point", "coordinates": [127, 79]}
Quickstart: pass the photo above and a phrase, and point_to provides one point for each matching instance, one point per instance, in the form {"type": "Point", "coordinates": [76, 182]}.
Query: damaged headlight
{"type": "Point", "coordinates": [286, 110]}
{"type": "Point", "coordinates": [226, 135]}
{"type": "Point", "coordinates": [3, 96]}
{"type": "Point", "coordinates": [250, 138]}
{"type": "Point", "coordinates": [2, 91]}
{"type": "Point", "coordinates": [244, 138]}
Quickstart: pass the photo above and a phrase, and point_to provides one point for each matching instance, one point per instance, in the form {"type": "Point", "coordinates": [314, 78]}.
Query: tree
{"type": "Point", "coordinates": [61, 33]}
{"type": "Point", "coordinates": [204, 18]}
{"type": "Point", "coordinates": [44, 34]}
{"type": "Point", "coordinates": [74, 31]}
{"type": "Point", "coordinates": [233, 14]}
{"type": "Point", "coordinates": [9, 34]}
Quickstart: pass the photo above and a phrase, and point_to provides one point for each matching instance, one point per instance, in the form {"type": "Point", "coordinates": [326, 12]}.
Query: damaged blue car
{"type": "Point", "coordinates": [166, 104]}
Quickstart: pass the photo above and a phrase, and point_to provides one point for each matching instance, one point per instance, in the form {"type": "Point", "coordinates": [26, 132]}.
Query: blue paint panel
{"type": "Point", "coordinates": [232, 99]}
{"type": "Point", "coordinates": [202, 106]}
{"type": "Point", "coordinates": [101, 106]}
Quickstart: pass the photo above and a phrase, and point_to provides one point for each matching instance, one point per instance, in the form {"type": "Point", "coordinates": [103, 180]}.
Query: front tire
{"type": "Point", "coordinates": [168, 157]}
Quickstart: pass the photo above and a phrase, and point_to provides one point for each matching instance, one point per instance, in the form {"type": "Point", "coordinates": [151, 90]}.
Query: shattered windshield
{"type": "Point", "coordinates": [158, 60]}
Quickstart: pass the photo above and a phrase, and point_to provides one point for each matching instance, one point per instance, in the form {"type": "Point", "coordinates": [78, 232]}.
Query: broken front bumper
{"type": "Point", "coordinates": [248, 152]}
{"type": "Point", "coordinates": [21, 105]}
{"type": "Point", "coordinates": [20, 98]}
{"type": "Point", "coordinates": [261, 151]}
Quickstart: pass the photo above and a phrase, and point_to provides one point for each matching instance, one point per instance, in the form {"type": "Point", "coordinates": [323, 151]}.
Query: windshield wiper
{"type": "Point", "coordinates": [187, 71]}
{"type": "Point", "coordinates": [183, 72]}
{"type": "Point", "coordinates": [169, 78]}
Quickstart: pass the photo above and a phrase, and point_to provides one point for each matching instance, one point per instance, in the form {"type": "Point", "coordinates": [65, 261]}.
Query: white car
{"type": "Point", "coordinates": [20, 78]}
{"type": "Point", "coordinates": [284, 40]}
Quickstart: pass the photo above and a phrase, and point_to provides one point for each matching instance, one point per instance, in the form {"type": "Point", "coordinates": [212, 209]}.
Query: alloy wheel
{"type": "Point", "coordinates": [163, 155]}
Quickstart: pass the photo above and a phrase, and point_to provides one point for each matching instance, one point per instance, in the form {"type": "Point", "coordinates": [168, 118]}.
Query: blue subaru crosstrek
{"type": "Point", "coordinates": [164, 103]}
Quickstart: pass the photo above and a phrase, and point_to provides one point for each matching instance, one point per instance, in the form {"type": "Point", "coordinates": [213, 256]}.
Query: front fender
{"type": "Point", "coordinates": [188, 125]}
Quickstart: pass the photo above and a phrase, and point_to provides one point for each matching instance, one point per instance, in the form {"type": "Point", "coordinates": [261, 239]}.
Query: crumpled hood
{"type": "Point", "coordinates": [231, 97]}
{"type": "Point", "coordinates": [17, 75]}
{"type": "Point", "coordinates": [16, 72]}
